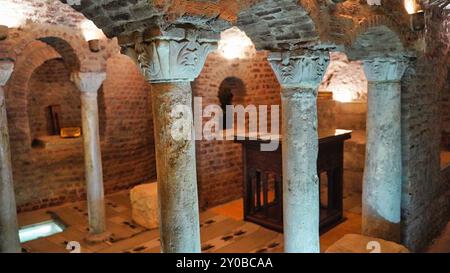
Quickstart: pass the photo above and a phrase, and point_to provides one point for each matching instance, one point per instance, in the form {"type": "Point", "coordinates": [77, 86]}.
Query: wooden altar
{"type": "Point", "coordinates": [263, 202]}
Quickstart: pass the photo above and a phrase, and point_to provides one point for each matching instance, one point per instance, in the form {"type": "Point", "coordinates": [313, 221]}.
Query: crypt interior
{"type": "Point", "coordinates": [358, 105]}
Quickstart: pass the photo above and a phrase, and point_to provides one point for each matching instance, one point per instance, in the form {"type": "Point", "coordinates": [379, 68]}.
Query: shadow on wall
{"type": "Point", "coordinates": [231, 92]}
{"type": "Point", "coordinates": [53, 100]}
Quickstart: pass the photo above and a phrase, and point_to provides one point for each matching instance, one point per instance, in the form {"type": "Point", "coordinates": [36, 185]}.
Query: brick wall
{"type": "Point", "coordinates": [445, 114]}
{"type": "Point", "coordinates": [425, 203]}
{"type": "Point", "coordinates": [54, 175]}
{"type": "Point", "coordinates": [47, 42]}
{"type": "Point", "coordinates": [219, 163]}
{"type": "Point", "coordinates": [50, 85]}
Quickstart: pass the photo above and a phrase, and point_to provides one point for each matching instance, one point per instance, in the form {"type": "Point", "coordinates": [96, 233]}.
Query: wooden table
{"type": "Point", "coordinates": [263, 203]}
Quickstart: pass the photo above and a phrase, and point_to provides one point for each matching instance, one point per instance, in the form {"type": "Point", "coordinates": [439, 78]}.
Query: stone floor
{"type": "Point", "coordinates": [222, 229]}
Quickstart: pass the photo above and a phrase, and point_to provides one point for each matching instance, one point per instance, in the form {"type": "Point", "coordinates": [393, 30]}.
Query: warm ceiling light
{"type": "Point", "coordinates": [91, 31]}
{"type": "Point", "coordinates": [92, 34]}
{"type": "Point", "coordinates": [234, 44]}
{"type": "Point", "coordinates": [416, 14]}
{"type": "Point", "coordinates": [374, 2]}
{"type": "Point", "coordinates": [412, 6]}
{"type": "Point", "coordinates": [343, 97]}
{"type": "Point", "coordinates": [11, 14]}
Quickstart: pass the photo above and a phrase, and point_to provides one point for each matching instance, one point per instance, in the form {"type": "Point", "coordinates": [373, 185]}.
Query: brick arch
{"type": "Point", "coordinates": [378, 35]}
{"type": "Point", "coordinates": [32, 57]}
{"type": "Point", "coordinates": [256, 74]}
{"type": "Point", "coordinates": [236, 83]}
{"type": "Point", "coordinates": [279, 24]}
{"type": "Point", "coordinates": [405, 35]}
{"type": "Point", "coordinates": [262, 88]}
{"type": "Point", "coordinates": [230, 92]}
{"type": "Point", "coordinates": [64, 49]}
{"type": "Point", "coordinates": [69, 43]}
{"type": "Point", "coordinates": [217, 74]}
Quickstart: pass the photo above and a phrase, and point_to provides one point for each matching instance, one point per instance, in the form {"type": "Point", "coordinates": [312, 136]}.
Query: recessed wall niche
{"type": "Point", "coordinates": [50, 90]}
{"type": "Point", "coordinates": [54, 101]}
{"type": "Point", "coordinates": [231, 92]}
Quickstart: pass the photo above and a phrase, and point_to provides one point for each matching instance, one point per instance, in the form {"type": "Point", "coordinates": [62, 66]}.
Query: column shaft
{"type": "Point", "coordinates": [176, 167]}
{"type": "Point", "coordinates": [170, 62]}
{"type": "Point", "coordinates": [381, 202]}
{"type": "Point", "coordinates": [93, 162]}
{"type": "Point", "coordinates": [300, 181]}
{"type": "Point", "coordinates": [383, 166]}
{"type": "Point", "coordinates": [9, 235]}
{"type": "Point", "coordinates": [300, 74]}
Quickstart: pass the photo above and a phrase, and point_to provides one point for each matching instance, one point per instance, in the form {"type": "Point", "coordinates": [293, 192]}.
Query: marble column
{"type": "Point", "coordinates": [383, 166]}
{"type": "Point", "coordinates": [89, 84]}
{"type": "Point", "coordinates": [9, 232]}
{"type": "Point", "coordinates": [170, 62]}
{"type": "Point", "coordinates": [300, 77]}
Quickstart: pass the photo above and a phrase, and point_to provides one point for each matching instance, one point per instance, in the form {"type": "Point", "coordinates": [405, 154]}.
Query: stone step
{"type": "Point", "coordinates": [355, 243]}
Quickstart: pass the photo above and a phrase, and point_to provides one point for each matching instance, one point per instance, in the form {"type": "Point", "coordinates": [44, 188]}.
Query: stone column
{"type": "Point", "coordinates": [170, 62]}
{"type": "Point", "coordinates": [383, 165]}
{"type": "Point", "coordinates": [9, 232]}
{"type": "Point", "coordinates": [300, 77]}
{"type": "Point", "coordinates": [89, 84]}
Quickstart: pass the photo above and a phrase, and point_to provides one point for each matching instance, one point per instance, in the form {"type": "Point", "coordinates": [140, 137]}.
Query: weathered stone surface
{"type": "Point", "coordinates": [177, 57]}
{"type": "Point", "coordinates": [176, 168]}
{"type": "Point", "coordinates": [355, 243]}
{"type": "Point", "coordinates": [383, 165]}
{"type": "Point", "coordinates": [376, 41]}
{"type": "Point", "coordinates": [304, 69]}
{"type": "Point", "coordinates": [345, 78]}
{"type": "Point", "coordinates": [9, 236]}
{"type": "Point", "coordinates": [144, 205]}
{"type": "Point", "coordinates": [300, 77]}
{"type": "Point", "coordinates": [278, 25]}
{"type": "Point", "coordinates": [124, 17]}
{"type": "Point", "coordinates": [89, 83]}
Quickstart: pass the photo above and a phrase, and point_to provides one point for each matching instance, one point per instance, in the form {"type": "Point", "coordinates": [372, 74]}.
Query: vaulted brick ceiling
{"type": "Point", "coordinates": [119, 18]}
{"type": "Point", "coordinates": [271, 24]}
{"type": "Point", "coordinates": [278, 24]}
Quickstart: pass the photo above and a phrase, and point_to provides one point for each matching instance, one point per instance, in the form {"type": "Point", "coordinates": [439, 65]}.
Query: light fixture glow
{"type": "Point", "coordinates": [39, 230]}
{"type": "Point", "coordinates": [234, 44]}
{"type": "Point", "coordinates": [411, 6]}
{"type": "Point", "coordinates": [343, 96]}
{"type": "Point", "coordinates": [374, 2]}
{"type": "Point", "coordinates": [91, 31]}
{"type": "Point", "coordinates": [11, 14]}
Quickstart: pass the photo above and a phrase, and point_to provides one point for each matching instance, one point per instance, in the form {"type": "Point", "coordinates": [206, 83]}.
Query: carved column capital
{"type": "Point", "coordinates": [304, 70]}
{"type": "Point", "coordinates": [385, 69]}
{"type": "Point", "coordinates": [88, 82]}
{"type": "Point", "coordinates": [6, 69]}
{"type": "Point", "coordinates": [172, 58]}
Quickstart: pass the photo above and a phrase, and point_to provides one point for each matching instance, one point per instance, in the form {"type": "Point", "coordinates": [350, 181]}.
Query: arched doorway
{"type": "Point", "coordinates": [231, 92]}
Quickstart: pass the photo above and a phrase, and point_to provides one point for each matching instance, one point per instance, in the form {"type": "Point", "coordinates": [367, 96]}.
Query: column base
{"type": "Point", "coordinates": [97, 238]}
